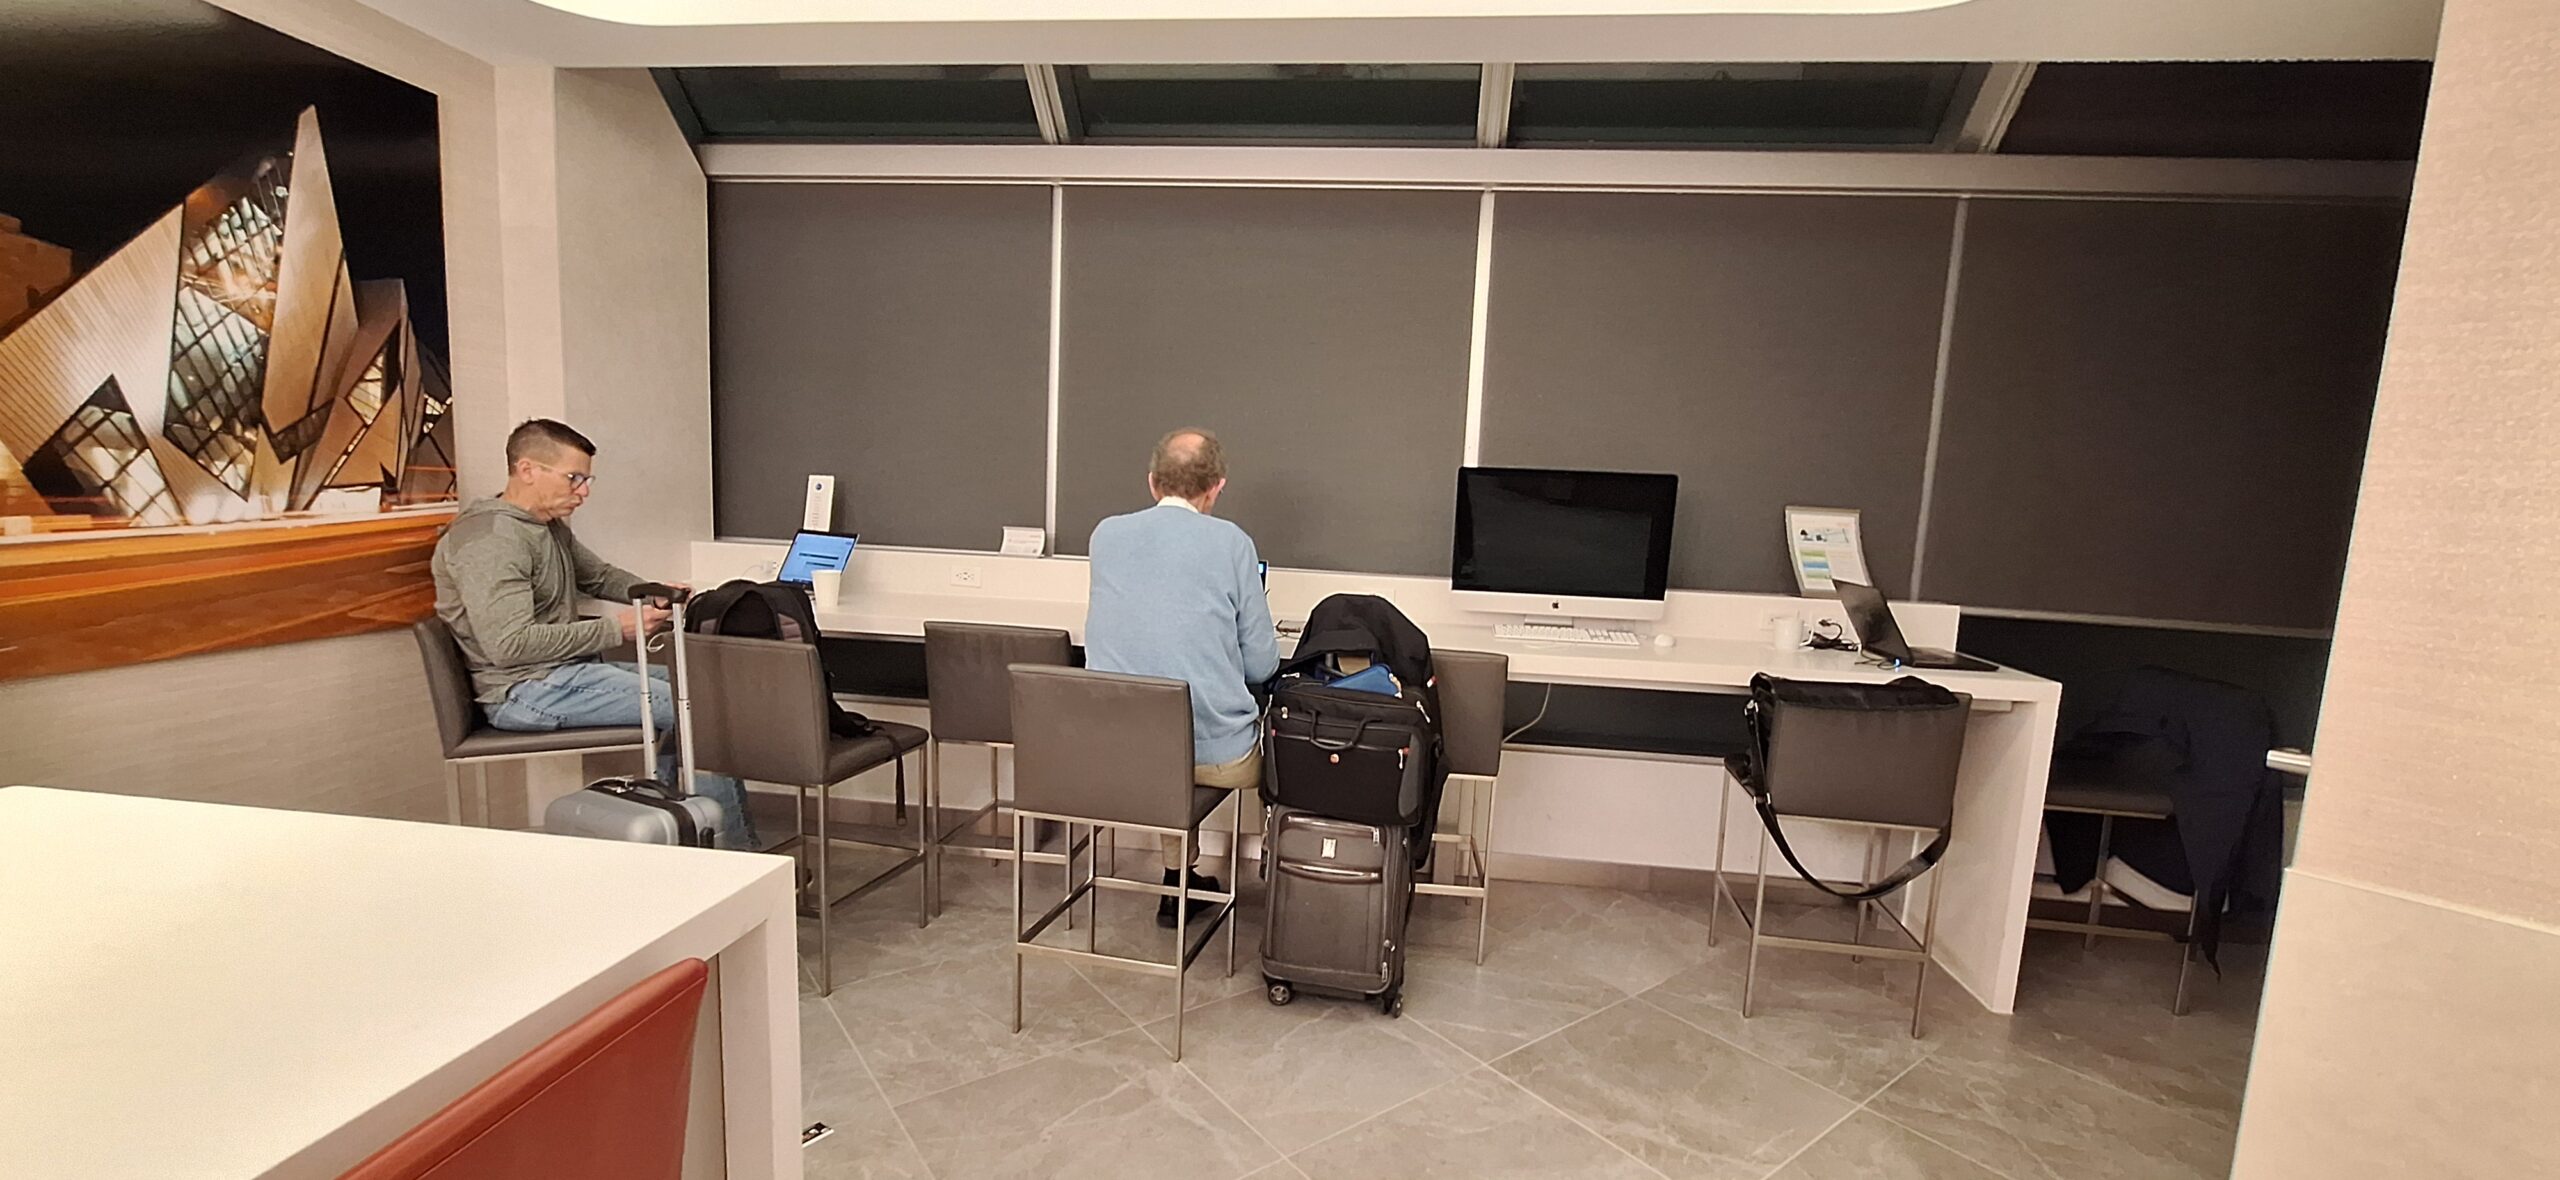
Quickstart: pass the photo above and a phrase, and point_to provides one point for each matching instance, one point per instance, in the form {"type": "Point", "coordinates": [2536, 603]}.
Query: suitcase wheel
{"type": "Point", "coordinates": [1392, 1004]}
{"type": "Point", "coordinates": [1280, 994]}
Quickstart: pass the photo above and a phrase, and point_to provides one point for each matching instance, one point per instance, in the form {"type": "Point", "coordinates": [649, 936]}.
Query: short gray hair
{"type": "Point", "coordinates": [1188, 471]}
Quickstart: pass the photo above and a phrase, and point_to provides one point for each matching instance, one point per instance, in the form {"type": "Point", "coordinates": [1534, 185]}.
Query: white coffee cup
{"type": "Point", "coordinates": [1786, 632]}
{"type": "Point", "coordinates": [825, 586]}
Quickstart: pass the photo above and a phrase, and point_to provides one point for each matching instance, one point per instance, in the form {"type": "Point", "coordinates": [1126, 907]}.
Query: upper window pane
{"type": "Point", "coordinates": [1375, 103]}
{"type": "Point", "coordinates": [861, 102]}
{"type": "Point", "coordinates": [1739, 105]}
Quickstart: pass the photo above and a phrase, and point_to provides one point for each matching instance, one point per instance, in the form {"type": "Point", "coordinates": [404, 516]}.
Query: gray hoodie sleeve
{"type": "Point", "coordinates": [494, 575]}
{"type": "Point", "coordinates": [598, 578]}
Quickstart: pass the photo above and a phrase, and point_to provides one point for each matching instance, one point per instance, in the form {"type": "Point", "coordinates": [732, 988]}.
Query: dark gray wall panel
{"type": "Point", "coordinates": [895, 335]}
{"type": "Point", "coordinates": [1770, 350]}
{"type": "Point", "coordinates": [2159, 410]}
{"type": "Point", "coordinates": [1321, 333]}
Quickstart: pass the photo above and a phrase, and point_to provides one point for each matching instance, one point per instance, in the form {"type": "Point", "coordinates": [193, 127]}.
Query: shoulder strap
{"type": "Point", "coordinates": [1764, 690]}
{"type": "Point", "coordinates": [1892, 881]}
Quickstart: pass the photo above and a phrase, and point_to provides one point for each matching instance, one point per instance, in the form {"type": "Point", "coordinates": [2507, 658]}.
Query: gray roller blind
{"type": "Point", "coordinates": [1321, 333]}
{"type": "Point", "coordinates": [1769, 350]}
{"type": "Point", "coordinates": [894, 335]}
{"type": "Point", "coordinates": [2159, 410]}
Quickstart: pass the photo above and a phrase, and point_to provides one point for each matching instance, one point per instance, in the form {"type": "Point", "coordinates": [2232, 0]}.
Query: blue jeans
{"type": "Point", "coordinates": [593, 692]}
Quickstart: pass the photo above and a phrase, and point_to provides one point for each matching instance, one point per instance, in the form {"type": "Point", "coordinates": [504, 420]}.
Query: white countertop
{"type": "Point", "coordinates": [1689, 663]}
{"type": "Point", "coordinates": [189, 989]}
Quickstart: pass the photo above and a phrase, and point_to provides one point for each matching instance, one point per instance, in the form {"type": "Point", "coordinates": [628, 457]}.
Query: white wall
{"type": "Point", "coordinates": [2408, 1028]}
{"type": "Point", "coordinates": [635, 274]}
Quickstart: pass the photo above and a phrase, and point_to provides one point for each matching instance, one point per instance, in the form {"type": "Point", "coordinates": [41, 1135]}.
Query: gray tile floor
{"type": "Point", "coordinates": [1600, 1038]}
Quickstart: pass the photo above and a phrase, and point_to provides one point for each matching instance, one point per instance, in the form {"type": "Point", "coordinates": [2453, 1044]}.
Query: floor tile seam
{"type": "Point", "coordinates": [1764, 1060]}
{"type": "Point", "coordinates": [1932, 1139]}
{"type": "Point", "coordinates": [1568, 1116]}
{"type": "Point", "coordinates": [1214, 1096]}
{"type": "Point", "coordinates": [1062, 1049]}
{"type": "Point", "coordinates": [896, 1119]}
{"type": "Point", "coordinates": [1426, 1091]}
{"type": "Point", "coordinates": [2085, 1075]}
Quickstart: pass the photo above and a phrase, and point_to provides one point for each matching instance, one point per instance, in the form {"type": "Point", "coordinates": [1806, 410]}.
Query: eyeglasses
{"type": "Point", "coordinates": [577, 479]}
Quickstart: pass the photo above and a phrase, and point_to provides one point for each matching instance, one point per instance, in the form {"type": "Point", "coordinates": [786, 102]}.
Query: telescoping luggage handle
{"type": "Point", "coordinates": [642, 595]}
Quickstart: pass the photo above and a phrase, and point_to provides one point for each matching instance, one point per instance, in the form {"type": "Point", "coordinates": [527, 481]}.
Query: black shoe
{"type": "Point", "coordinates": [1164, 908]}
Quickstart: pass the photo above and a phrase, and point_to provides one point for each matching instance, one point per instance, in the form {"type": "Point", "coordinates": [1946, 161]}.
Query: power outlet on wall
{"type": "Point", "coordinates": [965, 576]}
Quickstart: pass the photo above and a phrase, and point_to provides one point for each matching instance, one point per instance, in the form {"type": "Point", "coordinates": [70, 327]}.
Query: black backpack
{"type": "Point", "coordinates": [770, 610]}
{"type": "Point", "coordinates": [1352, 755]}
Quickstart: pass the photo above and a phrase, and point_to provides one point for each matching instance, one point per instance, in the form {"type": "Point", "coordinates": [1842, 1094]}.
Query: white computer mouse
{"type": "Point", "coordinates": [1663, 641]}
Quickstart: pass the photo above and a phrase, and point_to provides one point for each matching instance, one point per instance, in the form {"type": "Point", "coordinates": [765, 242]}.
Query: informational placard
{"type": "Point", "coordinates": [1025, 542]}
{"type": "Point", "coordinates": [1823, 546]}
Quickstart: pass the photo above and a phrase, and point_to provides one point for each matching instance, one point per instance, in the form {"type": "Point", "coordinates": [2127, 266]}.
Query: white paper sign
{"type": "Point", "coordinates": [1823, 545]}
{"type": "Point", "coordinates": [1025, 542]}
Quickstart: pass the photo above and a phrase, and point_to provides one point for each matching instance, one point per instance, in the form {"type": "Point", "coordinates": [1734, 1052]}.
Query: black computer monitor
{"type": "Point", "coordinates": [1594, 544]}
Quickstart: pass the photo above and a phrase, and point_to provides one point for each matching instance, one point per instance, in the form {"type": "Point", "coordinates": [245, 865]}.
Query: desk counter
{"type": "Point", "coordinates": [188, 989]}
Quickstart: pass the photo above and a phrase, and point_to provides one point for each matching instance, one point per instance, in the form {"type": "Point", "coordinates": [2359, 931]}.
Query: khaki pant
{"type": "Point", "coordinates": [1243, 774]}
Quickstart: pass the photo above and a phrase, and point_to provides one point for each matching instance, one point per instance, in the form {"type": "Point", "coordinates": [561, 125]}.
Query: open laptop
{"type": "Point", "coordinates": [812, 551]}
{"type": "Point", "coordinates": [1872, 617]}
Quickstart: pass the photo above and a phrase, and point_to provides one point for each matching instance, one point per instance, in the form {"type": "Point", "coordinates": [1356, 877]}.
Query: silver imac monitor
{"type": "Point", "coordinates": [1572, 544]}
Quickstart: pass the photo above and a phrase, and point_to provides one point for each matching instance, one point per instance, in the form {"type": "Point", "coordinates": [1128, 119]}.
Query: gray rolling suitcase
{"type": "Point", "coordinates": [642, 809]}
{"type": "Point", "coordinates": [1338, 896]}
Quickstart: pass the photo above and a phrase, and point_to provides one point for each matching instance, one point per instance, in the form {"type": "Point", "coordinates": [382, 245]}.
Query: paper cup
{"type": "Point", "coordinates": [824, 587]}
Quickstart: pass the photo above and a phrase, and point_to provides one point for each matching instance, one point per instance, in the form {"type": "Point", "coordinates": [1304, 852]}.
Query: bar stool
{"type": "Point", "coordinates": [1103, 750]}
{"type": "Point", "coordinates": [760, 712]}
{"type": "Point", "coordinates": [1879, 757]}
{"type": "Point", "coordinates": [2111, 800]}
{"type": "Point", "coordinates": [971, 698]}
{"type": "Point", "coordinates": [468, 738]}
{"type": "Point", "coordinates": [1472, 687]}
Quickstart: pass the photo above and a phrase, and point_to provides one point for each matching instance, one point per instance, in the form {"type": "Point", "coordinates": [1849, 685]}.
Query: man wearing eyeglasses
{"type": "Point", "coordinates": [509, 576]}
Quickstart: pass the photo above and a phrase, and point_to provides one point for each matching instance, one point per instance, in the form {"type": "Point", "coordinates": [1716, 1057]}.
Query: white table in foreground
{"type": "Point", "coordinates": [188, 989]}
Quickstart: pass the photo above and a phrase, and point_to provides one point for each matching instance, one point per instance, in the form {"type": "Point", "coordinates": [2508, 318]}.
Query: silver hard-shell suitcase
{"type": "Point", "coordinates": [1337, 899]}
{"type": "Point", "coordinates": [641, 809]}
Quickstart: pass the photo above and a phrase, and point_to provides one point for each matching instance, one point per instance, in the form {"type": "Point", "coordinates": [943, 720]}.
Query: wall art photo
{"type": "Point", "coordinates": [225, 414]}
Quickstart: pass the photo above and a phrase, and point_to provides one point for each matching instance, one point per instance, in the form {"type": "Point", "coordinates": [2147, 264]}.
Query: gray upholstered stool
{"type": "Point", "coordinates": [1100, 750]}
{"type": "Point", "coordinates": [1472, 685]}
{"type": "Point", "coordinates": [469, 739]}
{"type": "Point", "coordinates": [971, 696]}
{"type": "Point", "coordinates": [2111, 799]}
{"type": "Point", "coordinates": [1886, 769]}
{"type": "Point", "coordinates": [760, 712]}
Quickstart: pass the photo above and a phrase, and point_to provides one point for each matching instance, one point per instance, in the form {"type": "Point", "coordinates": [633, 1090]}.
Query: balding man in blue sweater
{"type": "Point", "coordinates": [1177, 593]}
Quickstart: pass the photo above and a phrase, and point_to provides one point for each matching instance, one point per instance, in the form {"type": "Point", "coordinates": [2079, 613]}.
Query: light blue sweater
{"type": "Point", "coordinates": [1177, 594]}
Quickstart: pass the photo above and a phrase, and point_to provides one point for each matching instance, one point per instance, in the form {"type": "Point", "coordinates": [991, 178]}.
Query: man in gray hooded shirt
{"type": "Point", "coordinates": [509, 576]}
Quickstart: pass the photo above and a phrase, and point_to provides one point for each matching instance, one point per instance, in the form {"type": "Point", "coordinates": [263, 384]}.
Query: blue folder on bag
{"type": "Point", "coordinates": [1374, 678]}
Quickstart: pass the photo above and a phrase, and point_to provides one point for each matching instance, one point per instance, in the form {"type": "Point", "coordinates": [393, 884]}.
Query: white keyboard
{"type": "Point", "coordinates": [1559, 633]}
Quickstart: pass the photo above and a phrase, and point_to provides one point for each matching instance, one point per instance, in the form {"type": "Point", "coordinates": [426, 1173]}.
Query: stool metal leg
{"type": "Point", "coordinates": [1867, 874]}
{"type": "Point", "coordinates": [933, 807]}
{"type": "Point", "coordinates": [453, 793]}
{"type": "Point", "coordinates": [1235, 877]}
{"type": "Point", "coordinates": [2098, 879]}
{"type": "Point", "coordinates": [826, 945]}
{"type": "Point", "coordinates": [924, 851]}
{"type": "Point", "coordinates": [1092, 864]}
{"type": "Point", "coordinates": [480, 774]}
{"type": "Point", "coordinates": [1017, 922]}
{"type": "Point", "coordinates": [1492, 788]}
{"type": "Point", "coordinates": [1759, 895]}
{"type": "Point", "coordinates": [1181, 934]}
{"type": "Point", "coordinates": [2187, 956]}
{"type": "Point", "coordinates": [1928, 939]}
{"type": "Point", "coordinates": [1715, 884]}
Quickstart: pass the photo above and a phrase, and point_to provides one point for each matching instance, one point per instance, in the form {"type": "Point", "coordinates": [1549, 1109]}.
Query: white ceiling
{"type": "Point", "coordinates": [811, 32]}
